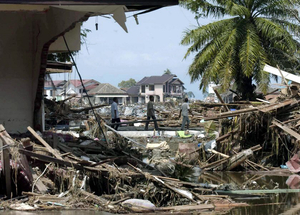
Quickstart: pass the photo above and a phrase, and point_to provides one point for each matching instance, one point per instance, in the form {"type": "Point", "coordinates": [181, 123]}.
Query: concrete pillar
{"type": "Point", "coordinates": [24, 42]}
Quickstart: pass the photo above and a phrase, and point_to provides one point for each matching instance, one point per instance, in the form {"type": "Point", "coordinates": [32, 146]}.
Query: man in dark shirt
{"type": "Point", "coordinates": [115, 113]}
{"type": "Point", "coordinates": [151, 114]}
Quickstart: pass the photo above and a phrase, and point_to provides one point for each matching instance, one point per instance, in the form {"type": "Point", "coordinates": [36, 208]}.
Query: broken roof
{"type": "Point", "coordinates": [106, 89]}
{"type": "Point", "coordinates": [91, 7]}
{"type": "Point", "coordinates": [101, 2]}
{"type": "Point", "coordinates": [131, 5]}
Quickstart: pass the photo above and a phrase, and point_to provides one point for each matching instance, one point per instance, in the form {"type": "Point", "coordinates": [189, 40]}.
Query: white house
{"type": "Point", "coordinates": [161, 87]}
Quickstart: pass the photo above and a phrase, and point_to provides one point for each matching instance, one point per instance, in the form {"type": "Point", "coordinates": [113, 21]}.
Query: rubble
{"type": "Point", "coordinates": [113, 182]}
{"type": "Point", "coordinates": [104, 169]}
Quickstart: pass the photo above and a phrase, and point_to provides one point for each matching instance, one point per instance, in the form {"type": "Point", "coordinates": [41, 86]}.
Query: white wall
{"type": "Point", "coordinates": [210, 88]}
{"type": "Point", "coordinates": [158, 91]}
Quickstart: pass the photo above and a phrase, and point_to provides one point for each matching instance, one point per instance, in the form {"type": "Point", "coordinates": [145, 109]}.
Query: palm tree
{"type": "Point", "coordinates": [190, 94]}
{"type": "Point", "coordinates": [253, 33]}
{"type": "Point", "coordinates": [167, 71]}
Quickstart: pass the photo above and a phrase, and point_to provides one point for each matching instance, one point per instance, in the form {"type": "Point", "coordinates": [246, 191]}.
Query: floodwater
{"type": "Point", "coordinates": [266, 204]}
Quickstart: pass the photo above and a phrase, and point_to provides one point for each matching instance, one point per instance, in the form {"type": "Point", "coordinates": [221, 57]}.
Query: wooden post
{"type": "Point", "coordinates": [6, 168]}
{"type": "Point", "coordinates": [55, 141]}
{"type": "Point", "coordinates": [5, 139]}
{"type": "Point", "coordinates": [48, 147]}
{"type": "Point", "coordinates": [220, 98]}
{"type": "Point", "coordinates": [238, 159]}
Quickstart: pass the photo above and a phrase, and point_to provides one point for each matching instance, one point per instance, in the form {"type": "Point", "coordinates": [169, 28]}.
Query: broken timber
{"type": "Point", "coordinates": [221, 100]}
{"type": "Point", "coordinates": [231, 113]}
{"type": "Point", "coordinates": [238, 159]}
{"type": "Point", "coordinates": [6, 140]}
{"type": "Point", "coordinates": [48, 147]}
{"type": "Point", "coordinates": [263, 109]}
{"type": "Point", "coordinates": [271, 107]}
{"type": "Point", "coordinates": [287, 129]}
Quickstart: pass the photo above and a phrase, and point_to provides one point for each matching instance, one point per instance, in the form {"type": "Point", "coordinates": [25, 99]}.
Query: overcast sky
{"type": "Point", "coordinates": [112, 55]}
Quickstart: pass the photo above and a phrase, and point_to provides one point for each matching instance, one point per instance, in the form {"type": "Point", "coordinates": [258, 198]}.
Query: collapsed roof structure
{"type": "Point", "coordinates": [31, 30]}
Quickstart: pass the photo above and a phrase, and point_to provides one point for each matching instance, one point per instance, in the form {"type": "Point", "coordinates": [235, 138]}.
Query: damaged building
{"type": "Point", "coordinates": [31, 30]}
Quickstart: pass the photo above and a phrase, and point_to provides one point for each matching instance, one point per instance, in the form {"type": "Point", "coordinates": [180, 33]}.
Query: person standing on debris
{"type": "Point", "coordinates": [185, 110]}
{"type": "Point", "coordinates": [151, 114]}
{"type": "Point", "coordinates": [115, 114]}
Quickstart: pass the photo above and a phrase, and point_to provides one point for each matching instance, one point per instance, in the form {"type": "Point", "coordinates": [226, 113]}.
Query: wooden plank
{"type": "Point", "coordinates": [287, 129]}
{"type": "Point", "coordinates": [39, 184]}
{"type": "Point", "coordinates": [48, 147]}
{"type": "Point", "coordinates": [5, 136]}
{"type": "Point", "coordinates": [7, 172]}
{"type": "Point", "coordinates": [55, 141]}
{"type": "Point", "coordinates": [226, 135]}
{"type": "Point", "coordinates": [5, 139]}
{"type": "Point", "coordinates": [238, 159]}
{"type": "Point", "coordinates": [269, 108]}
{"type": "Point", "coordinates": [221, 100]}
{"type": "Point", "coordinates": [6, 168]}
{"type": "Point", "coordinates": [288, 121]}
{"type": "Point", "coordinates": [216, 163]}
{"type": "Point", "coordinates": [218, 153]}
{"type": "Point", "coordinates": [231, 113]}
{"type": "Point", "coordinates": [94, 148]}
{"type": "Point", "coordinates": [50, 159]}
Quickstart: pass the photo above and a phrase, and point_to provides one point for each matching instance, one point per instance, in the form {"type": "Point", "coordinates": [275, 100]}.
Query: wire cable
{"type": "Point", "coordinates": [90, 103]}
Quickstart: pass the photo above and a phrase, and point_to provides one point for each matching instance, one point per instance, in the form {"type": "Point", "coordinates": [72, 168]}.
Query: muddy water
{"type": "Point", "coordinates": [268, 204]}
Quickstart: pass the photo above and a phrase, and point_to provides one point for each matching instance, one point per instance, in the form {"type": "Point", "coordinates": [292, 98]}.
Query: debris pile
{"type": "Point", "coordinates": [256, 138]}
{"type": "Point", "coordinates": [80, 172]}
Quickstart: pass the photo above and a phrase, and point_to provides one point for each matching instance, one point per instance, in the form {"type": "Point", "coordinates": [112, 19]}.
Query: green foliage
{"type": "Point", "coordinates": [190, 94]}
{"type": "Point", "coordinates": [127, 84]}
{"type": "Point", "coordinates": [235, 49]}
{"type": "Point", "coordinates": [167, 71]}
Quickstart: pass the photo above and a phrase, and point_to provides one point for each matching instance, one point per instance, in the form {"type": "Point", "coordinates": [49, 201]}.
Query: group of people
{"type": "Point", "coordinates": [184, 111]}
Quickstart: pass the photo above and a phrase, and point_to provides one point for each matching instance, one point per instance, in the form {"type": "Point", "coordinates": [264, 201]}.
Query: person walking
{"type": "Point", "coordinates": [185, 110]}
{"type": "Point", "coordinates": [151, 114]}
{"type": "Point", "coordinates": [115, 114]}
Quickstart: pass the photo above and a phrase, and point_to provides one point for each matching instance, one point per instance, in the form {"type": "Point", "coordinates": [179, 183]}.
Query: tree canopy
{"type": "Point", "coordinates": [248, 35]}
{"type": "Point", "coordinates": [127, 84]}
{"type": "Point", "coordinates": [167, 71]}
{"type": "Point", "coordinates": [190, 94]}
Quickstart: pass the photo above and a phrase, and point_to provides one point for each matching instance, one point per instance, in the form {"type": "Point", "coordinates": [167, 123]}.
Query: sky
{"type": "Point", "coordinates": [112, 55]}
